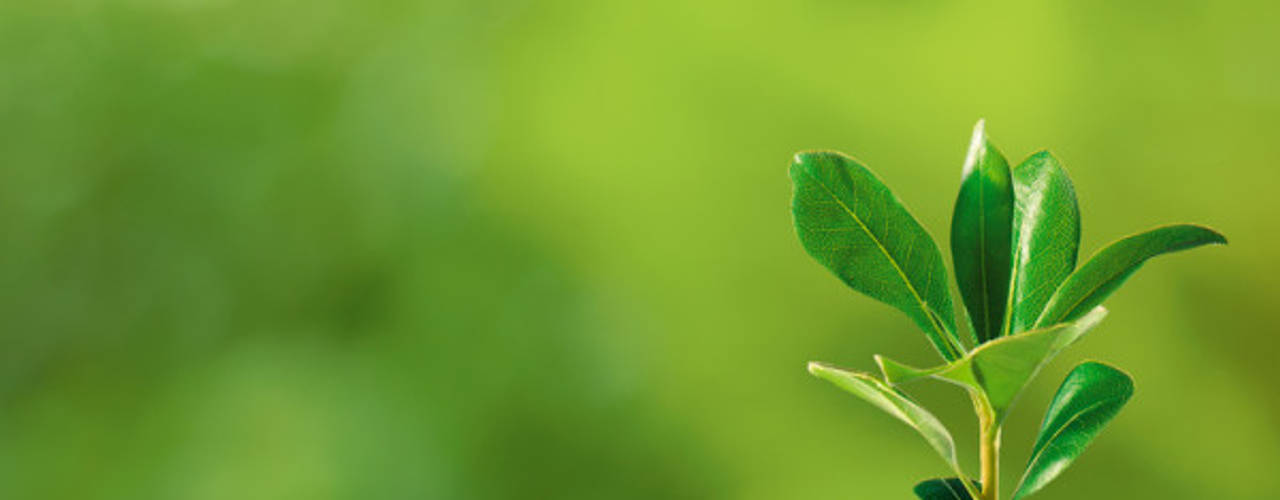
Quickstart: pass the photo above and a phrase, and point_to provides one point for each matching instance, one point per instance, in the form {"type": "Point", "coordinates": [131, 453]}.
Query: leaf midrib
{"type": "Point", "coordinates": [982, 253]}
{"type": "Point", "coordinates": [893, 262]}
{"type": "Point", "coordinates": [1083, 297]}
{"type": "Point", "coordinates": [1112, 276]}
{"type": "Point", "coordinates": [1035, 458]}
{"type": "Point", "coordinates": [1015, 260]}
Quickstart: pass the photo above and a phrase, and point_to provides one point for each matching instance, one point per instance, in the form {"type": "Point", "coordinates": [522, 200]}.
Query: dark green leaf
{"type": "Point", "coordinates": [951, 488]}
{"type": "Point", "coordinates": [981, 235]}
{"type": "Point", "coordinates": [851, 223]}
{"type": "Point", "coordinates": [1107, 270]}
{"type": "Point", "coordinates": [1003, 367]}
{"type": "Point", "coordinates": [1046, 225]}
{"type": "Point", "coordinates": [1090, 397]}
{"type": "Point", "coordinates": [894, 403]}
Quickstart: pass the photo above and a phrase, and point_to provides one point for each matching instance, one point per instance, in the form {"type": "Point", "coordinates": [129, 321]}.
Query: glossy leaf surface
{"type": "Point", "coordinates": [951, 488]}
{"type": "Point", "coordinates": [1110, 267]}
{"type": "Point", "coordinates": [981, 235]}
{"type": "Point", "coordinates": [1090, 397]}
{"type": "Point", "coordinates": [1046, 225]}
{"type": "Point", "coordinates": [894, 403]}
{"type": "Point", "coordinates": [1003, 367]}
{"type": "Point", "coordinates": [851, 223]}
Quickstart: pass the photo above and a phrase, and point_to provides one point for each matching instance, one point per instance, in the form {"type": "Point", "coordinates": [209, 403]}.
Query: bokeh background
{"type": "Point", "coordinates": [484, 249]}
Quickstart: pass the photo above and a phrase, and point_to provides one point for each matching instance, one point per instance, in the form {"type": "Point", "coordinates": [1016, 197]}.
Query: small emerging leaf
{"type": "Point", "coordinates": [1046, 225]}
{"type": "Point", "coordinates": [981, 232]}
{"type": "Point", "coordinates": [951, 488]}
{"type": "Point", "coordinates": [1111, 266]}
{"type": "Point", "coordinates": [852, 224]}
{"type": "Point", "coordinates": [894, 403]}
{"type": "Point", "coordinates": [1003, 367]}
{"type": "Point", "coordinates": [1090, 397]}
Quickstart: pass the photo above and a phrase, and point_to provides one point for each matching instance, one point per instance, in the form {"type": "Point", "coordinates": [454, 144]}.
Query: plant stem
{"type": "Point", "coordinates": [988, 448]}
{"type": "Point", "coordinates": [989, 454]}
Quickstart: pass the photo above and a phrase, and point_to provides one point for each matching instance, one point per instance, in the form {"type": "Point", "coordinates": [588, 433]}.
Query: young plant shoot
{"type": "Point", "coordinates": [1015, 235]}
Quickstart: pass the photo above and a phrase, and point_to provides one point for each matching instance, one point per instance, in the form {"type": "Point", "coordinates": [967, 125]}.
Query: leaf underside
{"type": "Point", "coordinates": [852, 224]}
{"type": "Point", "coordinates": [893, 402]}
{"type": "Point", "coordinates": [1092, 394]}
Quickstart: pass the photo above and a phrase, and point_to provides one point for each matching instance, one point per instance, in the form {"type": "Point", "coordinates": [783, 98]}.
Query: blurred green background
{"type": "Point", "coordinates": [542, 249]}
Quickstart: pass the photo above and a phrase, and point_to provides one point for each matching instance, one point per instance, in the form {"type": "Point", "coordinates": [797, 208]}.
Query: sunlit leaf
{"type": "Point", "coordinates": [1046, 225]}
{"type": "Point", "coordinates": [1090, 397]}
{"type": "Point", "coordinates": [1109, 268]}
{"type": "Point", "coordinates": [981, 229]}
{"type": "Point", "coordinates": [851, 223]}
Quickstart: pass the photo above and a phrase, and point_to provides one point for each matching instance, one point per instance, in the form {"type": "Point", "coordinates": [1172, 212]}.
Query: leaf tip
{"type": "Point", "coordinates": [1043, 154]}
{"type": "Point", "coordinates": [809, 155]}
{"type": "Point", "coordinates": [977, 144]}
{"type": "Point", "coordinates": [799, 157]}
{"type": "Point", "coordinates": [1125, 381]}
{"type": "Point", "coordinates": [1206, 235]}
{"type": "Point", "coordinates": [1217, 237]}
{"type": "Point", "coordinates": [1093, 317]}
{"type": "Point", "coordinates": [887, 369]}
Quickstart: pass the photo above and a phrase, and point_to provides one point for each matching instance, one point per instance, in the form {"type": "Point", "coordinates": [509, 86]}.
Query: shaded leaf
{"type": "Point", "coordinates": [1046, 223]}
{"type": "Point", "coordinates": [981, 235]}
{"type": "Point", "coordinates": [851, 223]}
{"type": "Point", "coordinates": [894, 403]}
{"type": "Point", "coordinates": [1109, 268]}
{"type": "Point", "coordinates": [1090, 397]}
{"type": "Point", "coordinates": [1003, 367]}
{"type": "Point", "coordinates": [951, 488]}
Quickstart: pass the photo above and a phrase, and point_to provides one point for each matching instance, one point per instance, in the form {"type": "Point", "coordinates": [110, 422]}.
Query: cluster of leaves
{"type": "Point", "coordinates": [1015, 236]}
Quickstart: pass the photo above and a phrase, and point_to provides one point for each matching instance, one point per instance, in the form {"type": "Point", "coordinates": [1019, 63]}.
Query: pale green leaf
{"type": "Point", "coordinates": [1003, 367]}
{"type": "Point", "coordinates": [894, 403]}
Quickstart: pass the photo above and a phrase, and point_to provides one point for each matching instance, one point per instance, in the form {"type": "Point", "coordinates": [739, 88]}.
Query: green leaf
{"type": "Point", "coordinates": [896, 373]}
{"type": "Point", "coordinates": [1110, 267]}
{"type": "Point", "coordinates": [951, 488]}
{"type": "Point", "coordinates": [852, 224]}
{"type": "Point", "coordinates": [894, 403]}
{"type": "Point", "coordinates": [1003, 367]}
{"type": "Point", "coordinates": [981, 235]}
{"type": "Point", "coordinates": [1046, 222]}
{"type": "Point", "coordinates": [1090, 397]}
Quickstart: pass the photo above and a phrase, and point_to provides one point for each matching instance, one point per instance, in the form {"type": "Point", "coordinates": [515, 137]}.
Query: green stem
{"type": "Point", "coordinates": [988, 448]}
